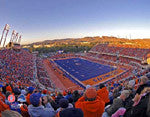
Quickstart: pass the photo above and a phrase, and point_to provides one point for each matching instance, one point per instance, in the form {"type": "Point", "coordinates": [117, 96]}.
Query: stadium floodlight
{"type": "Point", "coordinates": [12, 35]}
{"type": "Point", "coordinates": [14, 32]}
{"type": "Point", "coordinates": [16, 36]}
{"type": "Point", "coordinates": [7, 27]}
{"type": "Point", "coordinates": [19, 40]}
{"type": "Point", "coordinates": [4, 34]}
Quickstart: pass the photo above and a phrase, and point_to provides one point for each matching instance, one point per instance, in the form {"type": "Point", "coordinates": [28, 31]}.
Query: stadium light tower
{"type": "Point", "coordinates": [16, 37]}
{"type": "Point", "coordinates": [4, 34]}
{"type": "Point", "coordinates": [12, 35]}
{"type": "Point", "coordinates": [19, 40]}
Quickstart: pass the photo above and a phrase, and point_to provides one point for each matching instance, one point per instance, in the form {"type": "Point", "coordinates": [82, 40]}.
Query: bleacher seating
{"type": "Point", "coordinates": [139, 53]}
{"type": "Point", "coordinates": [17, 77]}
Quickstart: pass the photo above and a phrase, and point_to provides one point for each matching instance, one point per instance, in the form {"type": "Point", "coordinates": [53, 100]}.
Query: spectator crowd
{"type": "Point", "coordinates": [21, 97]}
{"type": "Point", "coordinates": [118, 100]}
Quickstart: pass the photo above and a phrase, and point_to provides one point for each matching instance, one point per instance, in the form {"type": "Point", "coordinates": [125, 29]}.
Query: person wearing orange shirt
{"type": "Point", "coordinates": [103, 93]}
{"type": "Point", "coordinates": [91, 104]}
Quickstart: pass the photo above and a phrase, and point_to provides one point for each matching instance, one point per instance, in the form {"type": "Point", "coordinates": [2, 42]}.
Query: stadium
{"type": "Point", "coordinates": [106, 71]}
{"type": "Point", "coordinates": [100, 65]}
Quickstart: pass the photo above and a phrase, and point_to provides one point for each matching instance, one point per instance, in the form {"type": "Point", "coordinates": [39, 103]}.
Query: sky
{"type": "Point", "coordinates": [38, 20]}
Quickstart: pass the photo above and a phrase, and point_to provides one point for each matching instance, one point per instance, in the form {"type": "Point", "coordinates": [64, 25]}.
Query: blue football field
{"type": "Point", "coordinates": [83, 69]}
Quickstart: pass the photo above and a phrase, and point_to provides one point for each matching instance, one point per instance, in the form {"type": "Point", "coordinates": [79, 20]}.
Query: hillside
{"type": "Point", "coordinates": [144, 43]}
{"type": "Point", "coordinates": [85, 44]}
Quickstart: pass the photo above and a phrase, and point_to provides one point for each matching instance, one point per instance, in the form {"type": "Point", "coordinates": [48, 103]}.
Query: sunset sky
{"type": "Point", "coordinates": [39, 20]}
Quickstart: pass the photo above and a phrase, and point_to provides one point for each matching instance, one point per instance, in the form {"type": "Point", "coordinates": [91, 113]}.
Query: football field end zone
{"type": "Point", "coordinates": [102, 78]}
{"type": "Point", "coordinates": [92, 81]}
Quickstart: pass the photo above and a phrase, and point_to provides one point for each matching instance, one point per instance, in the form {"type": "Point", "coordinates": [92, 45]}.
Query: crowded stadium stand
{"type": "Point", "coordinates": [42, 74]}
{"type": "Point", "coordinates": [108, 81]}
{"type": "Point", "coordinates": [16, 66]}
